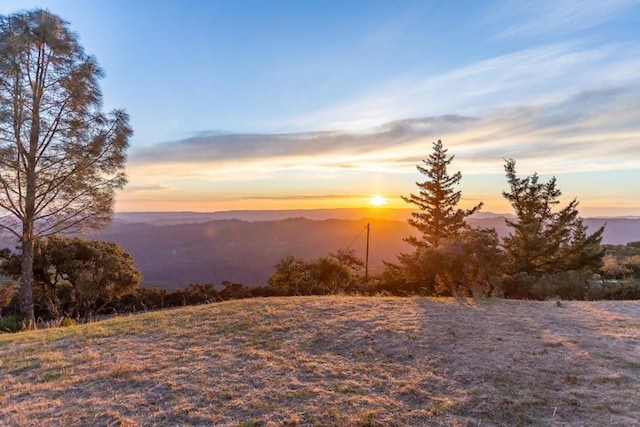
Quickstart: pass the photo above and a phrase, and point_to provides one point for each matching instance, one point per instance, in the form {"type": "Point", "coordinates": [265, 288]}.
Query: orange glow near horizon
{"type": "Point", "coordinates": [141, 201]}
{"type": "Point", "coordinates": [184, 203]}
{"type": "Point", "coordinates": [378, 201]}
{"type": "Point", "coordinates": [171, 201]}
{"type": "Point", "coordinates": [193, 203]}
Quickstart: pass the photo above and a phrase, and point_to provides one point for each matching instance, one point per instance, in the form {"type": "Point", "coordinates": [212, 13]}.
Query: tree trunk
{"type": "Point", "coordinates": [73, 313]}
{"type": "Point", "coordinates": [26, 282]}
{"type": "Point", "coordinates": [28, 239]}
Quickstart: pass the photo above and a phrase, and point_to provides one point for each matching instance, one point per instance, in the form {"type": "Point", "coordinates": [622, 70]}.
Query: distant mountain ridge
{"type": "Point", "coordinates": [175, 249]}
{"type": "Point", "coordinates": [174, 218]}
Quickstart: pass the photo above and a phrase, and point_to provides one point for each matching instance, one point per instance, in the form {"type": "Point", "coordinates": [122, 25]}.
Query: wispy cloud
{"type": "Point", "coordinates": [145, 188]}
{"type": "Point", "coordinates": [553, 17]}
{"type": "Point", "coordinates": [526, 76]}
{"type": "Point", "coordinates": [307, 197]}
{"type": "Point", "coordinates": [338, 144]}
{"type": "Point", "coordinates": [593, 129]}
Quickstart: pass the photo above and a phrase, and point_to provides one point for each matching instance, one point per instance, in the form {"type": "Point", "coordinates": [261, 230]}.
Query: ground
{"type": "Point", "coordinates": [344, 361]}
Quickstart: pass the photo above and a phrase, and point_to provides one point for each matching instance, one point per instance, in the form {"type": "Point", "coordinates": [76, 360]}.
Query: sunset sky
{"type": "Point", "coordinates": [313, 104]}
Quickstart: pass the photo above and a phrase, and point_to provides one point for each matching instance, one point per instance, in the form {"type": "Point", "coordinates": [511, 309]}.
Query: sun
{"type": "Point", "coordinates": [378, 200]}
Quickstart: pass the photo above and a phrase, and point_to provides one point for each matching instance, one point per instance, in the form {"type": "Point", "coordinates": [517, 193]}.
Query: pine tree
{"type": "Point", "coordinates": [544, 241]}
{"type": "Point", "coordinates": [441, 225]}
{"type": "Point", "coordinates": [438, 218]}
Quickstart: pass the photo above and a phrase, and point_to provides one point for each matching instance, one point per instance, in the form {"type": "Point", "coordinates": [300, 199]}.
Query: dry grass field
{"type": "Point", "coordinates": [323, 361]}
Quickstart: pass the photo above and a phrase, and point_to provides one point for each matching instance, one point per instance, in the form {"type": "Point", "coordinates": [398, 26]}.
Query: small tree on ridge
{"type": "Point", "coordinates": [439, 217]}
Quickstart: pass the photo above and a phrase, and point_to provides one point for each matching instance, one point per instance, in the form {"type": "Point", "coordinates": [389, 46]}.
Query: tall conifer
{"type": "Point", "coordinates": [438, 218]}
{"type": "Point", "coordinates": [544, 240]}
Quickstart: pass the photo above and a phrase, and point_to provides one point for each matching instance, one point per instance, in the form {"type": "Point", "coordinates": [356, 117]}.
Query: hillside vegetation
{"type": "Point", "coordinates": [350, 361]}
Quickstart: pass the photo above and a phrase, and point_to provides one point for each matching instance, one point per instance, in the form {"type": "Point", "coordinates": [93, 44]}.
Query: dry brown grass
{"type": "Point", "coordinates": [333, 361]}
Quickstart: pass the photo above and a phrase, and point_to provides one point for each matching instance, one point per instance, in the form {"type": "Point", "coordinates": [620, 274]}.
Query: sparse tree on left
{"type": "Point", "coordinates": [61, 157]}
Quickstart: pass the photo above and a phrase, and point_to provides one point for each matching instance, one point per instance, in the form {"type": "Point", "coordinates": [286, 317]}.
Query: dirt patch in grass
{"type": "Point", "coordinates": [354, 361]}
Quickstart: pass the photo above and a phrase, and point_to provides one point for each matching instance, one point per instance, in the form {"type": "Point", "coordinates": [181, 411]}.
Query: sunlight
{"type": "Point", "coordinates": [378, 200]}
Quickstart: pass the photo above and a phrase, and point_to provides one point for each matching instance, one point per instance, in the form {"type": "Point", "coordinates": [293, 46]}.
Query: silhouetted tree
{"type": "Point", "coordinates": [61, 157]}
{"type": "Point", "coordinates": [440, 222]}
{"type": "Point", "coordinates": [544, 240]}
{"type": "Point", "coordinates": [439, 217]}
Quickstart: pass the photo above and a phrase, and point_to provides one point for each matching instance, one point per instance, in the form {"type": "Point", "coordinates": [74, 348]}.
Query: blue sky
{"type": "Point", "coordinates": [284, 104]}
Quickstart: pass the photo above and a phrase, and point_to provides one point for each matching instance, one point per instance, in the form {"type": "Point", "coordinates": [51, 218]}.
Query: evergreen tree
{"type": "Point", "coordinates": [442, 228]}
{"type": "Point", "coordinates": [544, 240]}
{"type": "Point", "coordinates": [438, 218]}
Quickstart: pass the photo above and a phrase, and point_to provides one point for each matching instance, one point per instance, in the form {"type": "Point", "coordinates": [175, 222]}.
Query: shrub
{"type": "Point", "coordinates": [10, 324]}
{"type": "Point", "coordinates": [66, 322]}
{"type": "Point", "coordinates": [632, 264]}
{"type": "Point", "coordinates": [518, 286]}
{"type": "Point", "coordinates": [568, 285]}
{"type": "Point", "coordinates": [615, 290]}
{"type": "Point", "coordinates": [8, 298]}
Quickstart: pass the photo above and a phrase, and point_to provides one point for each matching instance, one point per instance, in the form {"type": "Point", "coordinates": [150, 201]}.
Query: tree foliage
{"type": "Point", "coordinates": [320, 276]}
{"type": "Point", "coordinates": [467, 264]}
{"type": "Point", "coordinates": [612, 268]}
{"type": "Point", "coordinates": [76, 277]}
{"type": "Point", "coordinates": [61, 157]}
{"type": "Point", "coordinates": [472, 263]}
{"type": "Point", "coordinates": [7, 293]}
{"type": "Point", "coordinates": [448, 257]}
{"type": "Point", "coordinates": [545, 240]}
{"type": "Point", "coordinates": [348, 257]}
{"type": "Point", "coordinates": [438, 218]}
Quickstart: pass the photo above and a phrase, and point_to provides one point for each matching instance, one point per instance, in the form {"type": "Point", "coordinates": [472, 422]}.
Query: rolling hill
{"type": "Point", "coordinates": [329, 361]}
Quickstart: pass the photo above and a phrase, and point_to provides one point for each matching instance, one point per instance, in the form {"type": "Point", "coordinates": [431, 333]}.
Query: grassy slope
{"type": "Point", "coordinates": [333, 361]}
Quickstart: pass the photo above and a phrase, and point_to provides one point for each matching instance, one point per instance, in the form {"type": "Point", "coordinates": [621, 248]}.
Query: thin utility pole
{"type": "Point", "coordinates": [366, 260]}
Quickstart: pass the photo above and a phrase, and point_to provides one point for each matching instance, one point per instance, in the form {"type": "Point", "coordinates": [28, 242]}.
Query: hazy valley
{"type": "Point", "coordinates": [175, 249]}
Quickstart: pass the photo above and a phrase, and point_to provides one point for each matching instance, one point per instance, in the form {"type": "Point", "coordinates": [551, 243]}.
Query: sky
{"type": "Point", "coordinates": [317, 104]}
